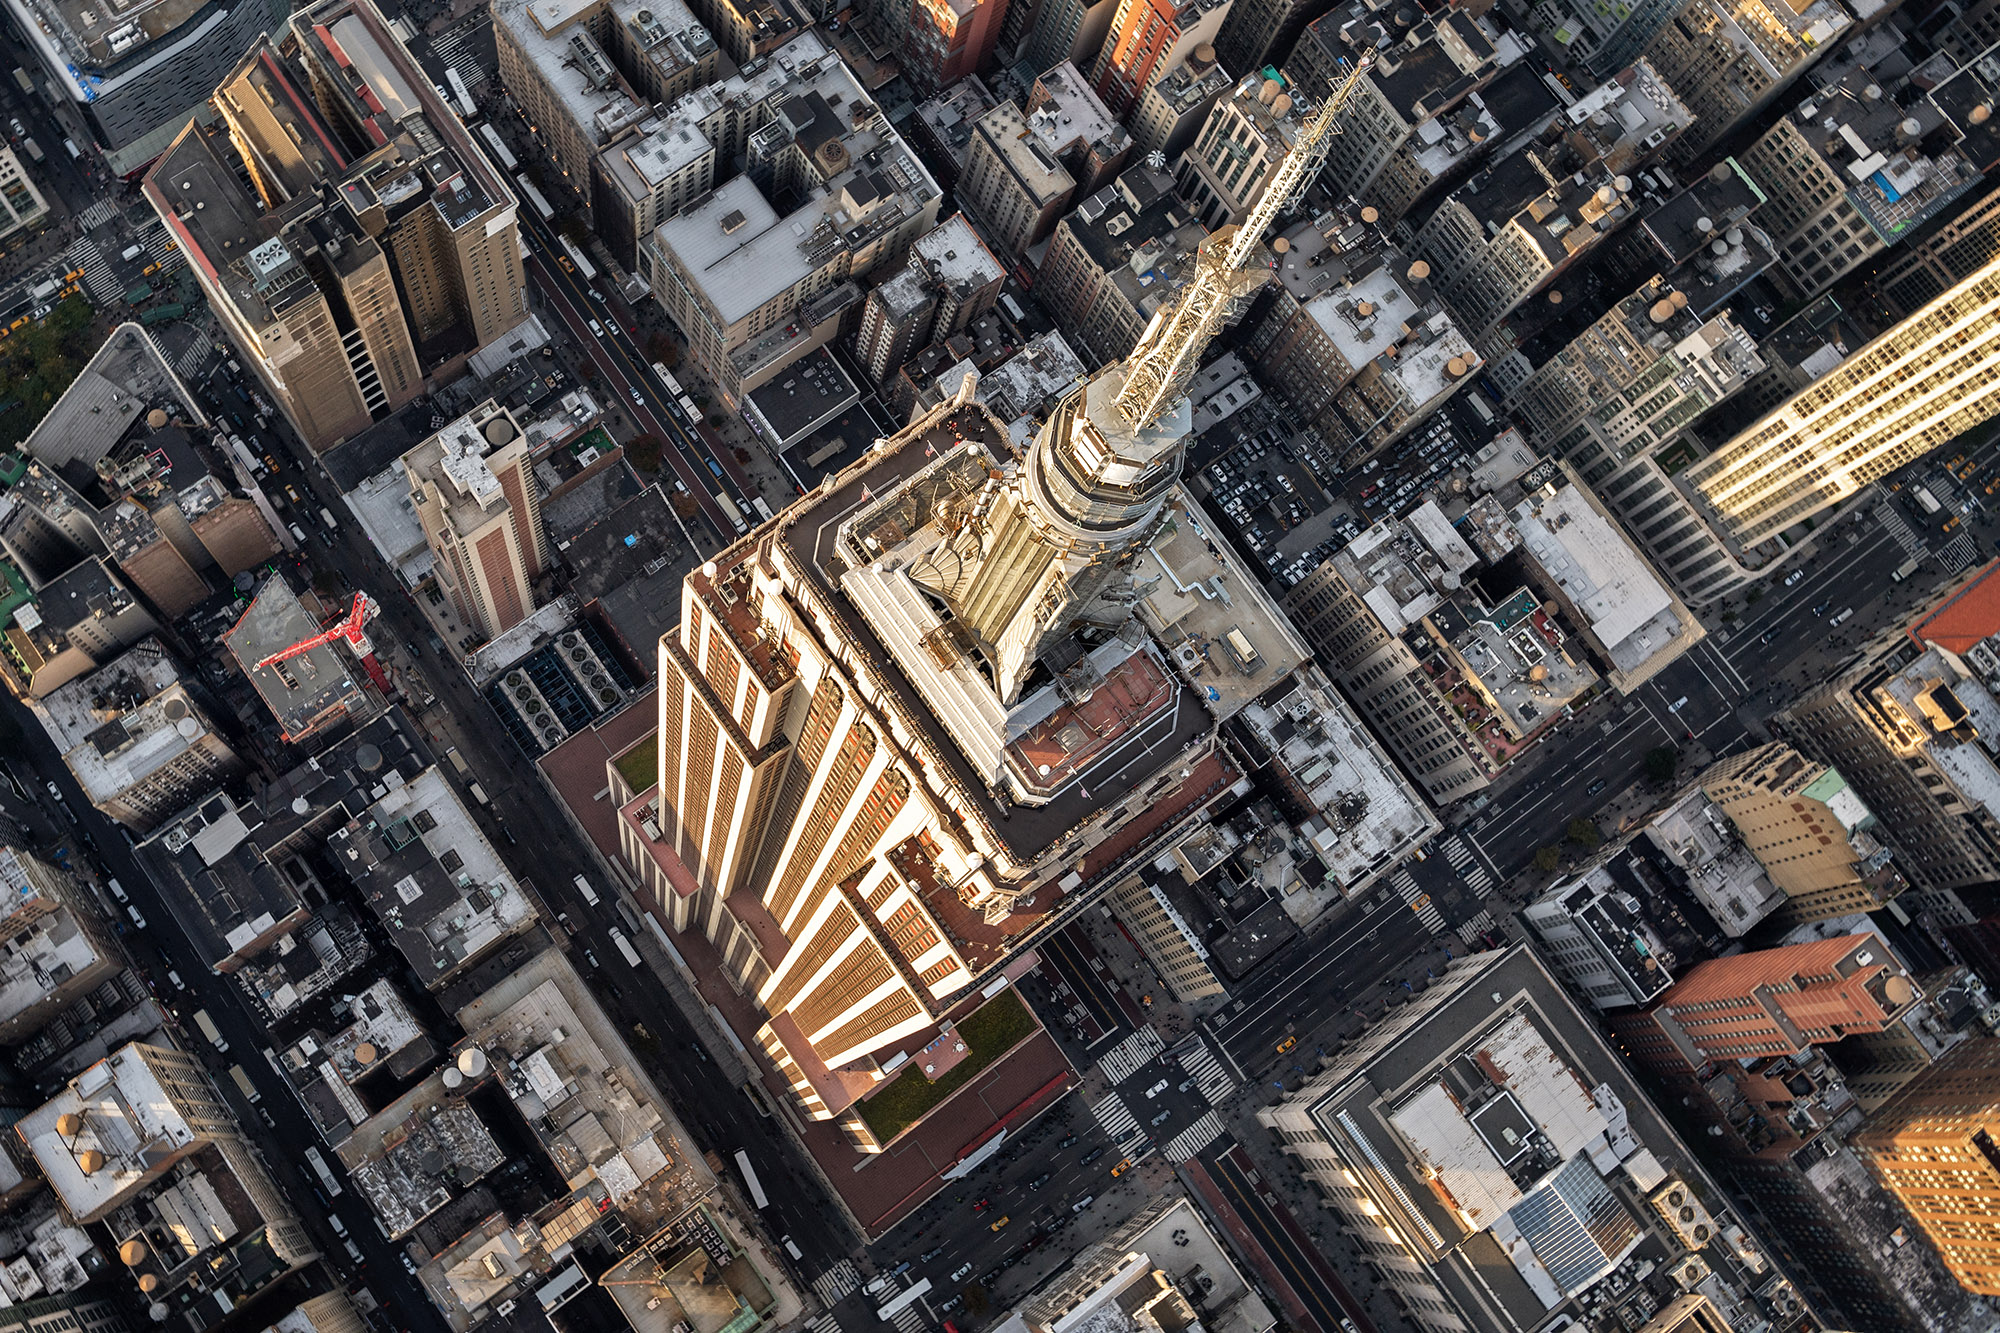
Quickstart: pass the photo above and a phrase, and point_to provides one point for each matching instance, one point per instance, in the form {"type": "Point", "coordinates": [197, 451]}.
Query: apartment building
{"type": "Point", "coordinates": [1148, 40]}
{"type": "Point", "coordinates": [1865, 160]}
{"type": "Point", "coordinates": [378, 242]}
{"type": "Point", "coordinates": [54, 947]}
{"type": "Point", "coordinates": [755, 290]}
{"type": "Point", "coordinates": [1024, 169]}
{"type": "Point", "coordinates": [1809, 829]}
{"type": "Point", "coordinates": [1069, 31]}
{"type": "Point", "coordinates": [1246, 135]}
{"type": "Point", "coordinates": [951, 279]}
{"type": "Point", "coordinates": [1116, 260]}
{"type": "Point", "coordinates": [479, 503]}
{"type": "Point", "coordinates": [664, 164]}
{"type": "Point", "coordinates": [80, 620]}
{"type": "Point", "coordinates": [1260, 33]}
{"type": "Point", "coordinates": [1173, 107]}
{"type": "Point", "coordinates": [21, 204]}
{"type": "Point", "coordinates": [950, 39]}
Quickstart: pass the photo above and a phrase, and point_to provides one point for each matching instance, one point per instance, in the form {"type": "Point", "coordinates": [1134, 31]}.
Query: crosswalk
{"type": "Point", "coordinates": [1207, 1071]}
{"type": "Point", "coordinates": [826, 1323]}
{"type": "Point", "coordinates": [1959, 554]}
{"type": "Point", "coordinates": [909, 1319]}
{"type": "Point", "coordinates": [97, 275]}
{"type": "Point", "coordinates": [1469, 867]}
{"type": "Point", "coordinates": [196, 352]}
{"type": "Point", "coordinates": [1417, 900]}
{"type": "Point", "coordinates": [836, 1283]}
{"type": "Point", "coordinates": [1473, 929]}
{"type": "Point", "coordinates": [1193, 1139]}
{"type": "Point", "coordinates": [1117, 1119]}
{"type": "Point", "coordinates": [454, 49]}
{"type": "Point", "coordinates": [1130, 1055]}
{"type": "Point", "coordinates": [97, 215]}
{"type": "Point", "coordinates": [1890, 518]}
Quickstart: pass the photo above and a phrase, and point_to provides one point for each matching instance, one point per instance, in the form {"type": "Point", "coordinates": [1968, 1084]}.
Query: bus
{"type": "Point", "coordinates": [468, 108]}
{"type": "Point", "coordinates": [578, 258]}
{"type": "Point", "coordinates": [667, 378]}
{"type": "Point", "coordinates": [750, 1178]}
{"type": "Point", "coordinates": [625, 946]}
{"type": "Point", "coordinates": [498, 147]}
{"type": "Point", "coordinates": [534, 196]}
{"type": "Point", "coordinates": [326, 1177]}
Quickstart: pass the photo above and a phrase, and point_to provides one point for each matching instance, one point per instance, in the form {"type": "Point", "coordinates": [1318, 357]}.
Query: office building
{"type": "Point", "coordinates": [81, 620]}
{"type": "Point", "coordinates": [1865, 161]}
{"type": "Point", "coordinates": [1697, 839]}
{"type": "Point", "coordinates": [755, 290]}
{"type": "Point", "coordinates": [1947, 255]}
{"type": "Point", "coordinates": [951, 280]}
{"type": "Point", "coordinates": [1808, 828]}
{"type": "Point", "coordinates": [1114, 261]}
{"type": "Point", "coordinates": [1502, 1169]}
{"type": "Point", "coordinates": [1931, 1145]}
{"type": "Point", "coordinates": [1730, 60]}
{"type": "Point", "coordinates": [63, 1314]}
{"type": "Point", "coordinates": [1598, 936]}
{"type": "Point", "coordinates": [1509, 232]}
{"type": "Point", "coordinates": [1148, 40]}
{"type": "Point", "coordinates": [1248, 132]}
{"type": "Point", "coordinates": [1769, 1002]}
{"type": "Point", "coordinates": [378, 244]}
{"type": "Point", "coordinates": [1903, 725]}
{"type": "Point", "coordinates": [21, 204]}
{"type": "Point", "coordinates": [587, 74]}
{"type": "Point", "coordinates": [122, 1124]}
{"type": "Point", "coordinates": [135, 75]}
{"type": "Point", "coordinates": [1888, 404]}
{"type": "Point", "coordinates": [310, 695]}
{"type": "Point", "coordinates": [134, 739]}
{"type": "Point", "coordinates": [54, 947]}
{"type": "Point", "coordinates": [480, 506]}
{"type": "Point", "coordinates": [1023, 170]}
{"type": "Point", "coordinates": [950, 39]}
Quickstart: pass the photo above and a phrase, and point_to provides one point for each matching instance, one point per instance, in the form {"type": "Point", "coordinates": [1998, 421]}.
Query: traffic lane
{"type": "Point", "coordinates": [1324, 1295]}
{"type": "Point", "coordinates": [1291, 991]}
{"type": "Point", "coordinates": [1067, 959]}
{"type": "Point", "coordinates": [691, 476]}
{"type": "Point", "coordinates": [1353, 990]}
{"type": "Point", "coordinates": [1859, 571]}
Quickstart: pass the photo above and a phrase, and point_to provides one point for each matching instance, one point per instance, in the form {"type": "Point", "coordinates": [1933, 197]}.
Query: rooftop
{"type": "Point", "coordinates": [1135, 231]}
{"type": "Point", "coordinates": [950, 115]}
{"type": "Point", "coordinates": [1514, 655]}
{"type": "Point", "coordinates": [581, 77]}
{"type": "Point", "coordinates": [1026, 383]}
{"type": "Point", "coordinates": [124, 723]}
{"type": "Point", "coordinates": [1685, 230]}
{"type": "Point", "coordinates": [1067, 116]}
{"type": "Point", "coordinates": [1621, 939]}
{"type": "Point", "coordinates": [453, 465]}
{"type": "Point", "coordinates": [1628, 117]}
{"type": "Point", "coordinates": [415, 1156]}
{"type": "Point", "coordinates": [1636, 622]}
{"type": "Point", "coordinates": [107, 1131]}
{"type": "Point", "coordinates": [44, 949]}
{"type": "Point", "coordinates": [1723, 874]}
{"type": "Point", "coordinates": [430, 875]}
{"type": "Point", "coordinates": [303, 692]}
{"type": "Point", "coordinates": [125, 380]}
{"type": "Point", "coordinates": [803, 397]}
{"type": "Point", "coordinates": [1034, 165]}
{"type": "Point", "coordinates": [953, 254]}
{"type": "Point", "coordinates": [1404, 568]}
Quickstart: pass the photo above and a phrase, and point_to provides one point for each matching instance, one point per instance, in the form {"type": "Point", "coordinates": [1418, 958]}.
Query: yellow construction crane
{"type": "Point", "coordinates": [1157, 371]}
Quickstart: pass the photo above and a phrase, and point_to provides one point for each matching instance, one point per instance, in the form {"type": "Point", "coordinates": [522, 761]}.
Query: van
{"type": "Point", "coordinates": [298, 534]}
{"type": "Point", "coordinates": [1907, 568]}
{"type": "Point", "coordinates": [117, 889]}
{"type": "Point", "coordinates": [354, 1253]}
{"type": "Point", "coordinates": [326, 517]}
{"type": "Point", "coordinates": [339, 1227]}
{"type": "Point", "coordinates": [791, 1248]}
{"type": "Point", "coordinates": [132, 252]}
{"type": "Point", "coordinates": [1840, 618]}
{"type": "Point", "coordinates": [478, 793]}
{"type": "Point", "coordinates": [597, 328]}
{"type": "Point", "coordinates": [583, 887]}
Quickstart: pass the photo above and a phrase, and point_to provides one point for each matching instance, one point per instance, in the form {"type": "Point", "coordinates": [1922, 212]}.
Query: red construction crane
{"type": "Point", "coordinates": [349, 628]}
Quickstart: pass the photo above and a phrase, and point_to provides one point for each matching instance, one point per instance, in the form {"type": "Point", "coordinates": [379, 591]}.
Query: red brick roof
{"type": "Point", "coordinates": [1966, 617]}
{"type": "Point", "coordinates": [1737, 976]}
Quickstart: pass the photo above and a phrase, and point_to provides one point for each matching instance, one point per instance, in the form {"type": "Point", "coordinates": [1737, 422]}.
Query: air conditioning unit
{"type": "Point", "coordinates": [1689, 1273]}
{"type": "Point", "coordinates": [1677, 1205]}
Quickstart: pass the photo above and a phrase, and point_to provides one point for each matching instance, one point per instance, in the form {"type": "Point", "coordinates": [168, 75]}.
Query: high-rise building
{"type": "Point", "coordinates": [309, 695]}
{"type": "Point", "coordinates": [122, 1124]}
{"type": "Point", "coordinates": [54, 948]}
{"type": "Point", "coordinates": [136, 74]}
{"type": "Point", "coordinates": [137, 743]}
{"type": "Point", "coordinates": [83, 618]}
{"type": "Point", "coordinates": [1149, 39]}
{"type": "Point", "coordinates": [481, 510]}
{"type": "Point", "coordinates": [1926, 381]}
{"type": "Point", "coordinates": [949, 39]}
{"type": "Point", "coordinates": [1261, 33]}
{"type": "Point", "coordinates": [1808, 827]}
{"type": "Point", "coordinates": [1769, 1002]}
{"type": "Point", "coordinates": [1222, 175]}
{"type": "Point", "coordinates": [1173, 107]}
{"type": "Point", "coordinates": [1595, 931]}
{"type": "Point", "coordinates": [63, 1314]}
{"type": "Point", "coordinates": [1952, 252]}
{"type": "Point", "coordinates": [1102, 275]}
{"type": "Point", "coordinates": [1866, 161]}
{"type": "Point", "coordinates": [1024, 169]}
{"type": "Point", "coordinates": [1933, 1146]}
{"type": "Point", "coordinates": [21, 204]}
{"type": "Point", "coordinates": [756, 290]}
{"type": "Point", "coordinates": [1070, 31]}
{"type": "Point", "coordinates": [951, 279]}
{"type": "Point", "coordinates": [1904, 724]}
{"type": "Point", "coordinates": [374, 243]}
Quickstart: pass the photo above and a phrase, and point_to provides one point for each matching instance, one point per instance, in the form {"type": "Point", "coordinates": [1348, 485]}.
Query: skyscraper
{"type": "Point", "coordinates": [481, 512]}
{"type": "Point", "coordinates": [1808, 827]}
{"type": "Point", "coordinates": [1933, 1145]}
{"type": "Point", "coordinates": [374, 240]}
{"type": "Point", "coordinates": [1926, 381]}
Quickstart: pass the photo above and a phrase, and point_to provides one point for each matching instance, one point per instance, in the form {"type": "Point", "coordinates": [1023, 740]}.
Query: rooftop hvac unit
{"type": "Point", "coordinates": [1681, 1210]}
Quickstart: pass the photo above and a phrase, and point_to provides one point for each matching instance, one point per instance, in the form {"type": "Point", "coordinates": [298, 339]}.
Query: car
{"type": "Point", "coordinates": [562, 918]}
{"type": "Point", "coordinates": [409, 1264]}
{"type": "Point", "coordinates": [138, 917]}
{"type": "Point", "coordinates": [1156, 1089]}
{"type": "Point", "coordinates": [1792, 579]}
{"type": "Point", "coordinates": [960, 1273]}
{"type": "Point", "coordinates": [293, 493]}
{"type": "Point", "coordinates": [175, 978]}
{"type": "Point", "coordinates": [1122, 1167]}
{"type": "Point", "coordinates": [930, 1254]}
{"type": "Point", "coordinates": [1595, 787]}
{"type": "Point", "coordinates": [1091, 1156]}
{"type": "Point", "coordinates": [1001, 1223]}
{"type": "Point", "coordinates": [949, 1303]}
{"type": "Point", "coordinates": [1083, 1203]}
{"type": "Point", "coordinates": [638, 398]}
{"type": "Point", "coordinates": [597, 328]}
{"type": "Point", "coordinates": [1161, 1118]}
{"type": "Point", "coordinates": [981, 1205]}
{"type": "Point", "coordinates": [1039, 1181]}
{"type": "Point", "coordinates": [1821, 609]}
{"type": "Point", "coordinates": [699, 1053]}
{"type": "Point", "coordinates": [1286, 1046]}
{"type": "Point", "coordinates": [1768, 635]}
{"type": "Point", "coordinates": [54, 790]}
{"type": "Point", "coordinates": [1066, 1142]}
{"type": "Point", "coordinates": [590, 958]}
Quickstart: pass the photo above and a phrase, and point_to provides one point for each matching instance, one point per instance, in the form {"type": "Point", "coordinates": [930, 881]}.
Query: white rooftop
{"type": "Point", "coordinates": [569, 60]}
{"type": "Point", "coordinates": [125, 1114]}
{"type": "Point", "coordinates": [117, 728]}
{"type": "Point", "coordinates": [953, 252]}
{"type": "Point", "coordinates": [1598, 570]}
{"type": "Point", "coordinates": [1724, 875]}
{"type": "Point", "coordinates": [1365, 318]}
{"type": "Point", "coordinates": [669, 147]}
{"type": "Point", "coordinates": [1044, 366]}
{"type": "Point", "coordinates": [1073, 111]}
{"type": "Point", "coordinates": [41, 957]}
{"type": "Point", "coordinates": [1403, 568]}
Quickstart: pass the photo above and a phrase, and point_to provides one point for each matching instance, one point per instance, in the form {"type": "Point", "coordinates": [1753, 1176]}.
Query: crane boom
{"type": "Point", "coordinates": [348, 627]}
{"type": "Point", "coordinates": [1157, 371]}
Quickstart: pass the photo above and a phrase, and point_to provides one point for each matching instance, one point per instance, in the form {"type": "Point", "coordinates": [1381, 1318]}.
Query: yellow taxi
{"type": "Point", "coordinates": [1001, 1223]}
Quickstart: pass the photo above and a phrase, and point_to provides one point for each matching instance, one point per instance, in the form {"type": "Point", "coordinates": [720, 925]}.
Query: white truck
{"type": "Point", "coordinates": [210, 1030]}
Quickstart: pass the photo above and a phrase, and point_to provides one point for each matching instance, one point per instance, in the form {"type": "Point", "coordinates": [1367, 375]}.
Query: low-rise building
{"type": "Point", "coordinates": [1503, 1169]}
{"type": "Point", "coordinates": [54, 947]}
{"type": "Point", "coordinates": [135, 740]}
{"type": "Point", "coordinates": [83, 618]}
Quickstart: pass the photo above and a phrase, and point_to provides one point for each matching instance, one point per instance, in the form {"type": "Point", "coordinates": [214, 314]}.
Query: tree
{"type": "Point", "coordinates": [1661, 763]}
{"type": "Point", "coordinates": [1584, 833]}
{"type": "Point", "coordinates": [643, 452]}
{"type": "Point", "coordinates": [1548, 858]}
{"type": "Point", "coordinates": [664, 350]}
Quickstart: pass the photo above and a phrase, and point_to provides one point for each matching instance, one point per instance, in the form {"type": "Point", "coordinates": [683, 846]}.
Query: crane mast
{"type": "Point", "coordinates": [1157, 371]}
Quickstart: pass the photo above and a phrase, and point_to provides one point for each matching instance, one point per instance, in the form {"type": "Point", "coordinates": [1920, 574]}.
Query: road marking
{"type": "Point", "coordinates": [1417, 900]}
{"type": "Point", "coordinates": [1193, 1139]}
{"type": "Point", "coordinates": [1117, 1119]}
{"type": "Point", "coordinates": [837, 1283]}
{"type": "Point", "coordinates": [1202, 1065]}
{"type": "Point", "coordinates": [1721, 659]}
{"type": "Point", "coordinates": [1131, 1055]}
{"type": "Point", "coordinates": [1467, 865]}
{"type": "Point", "coordinates": [1324, 957]}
